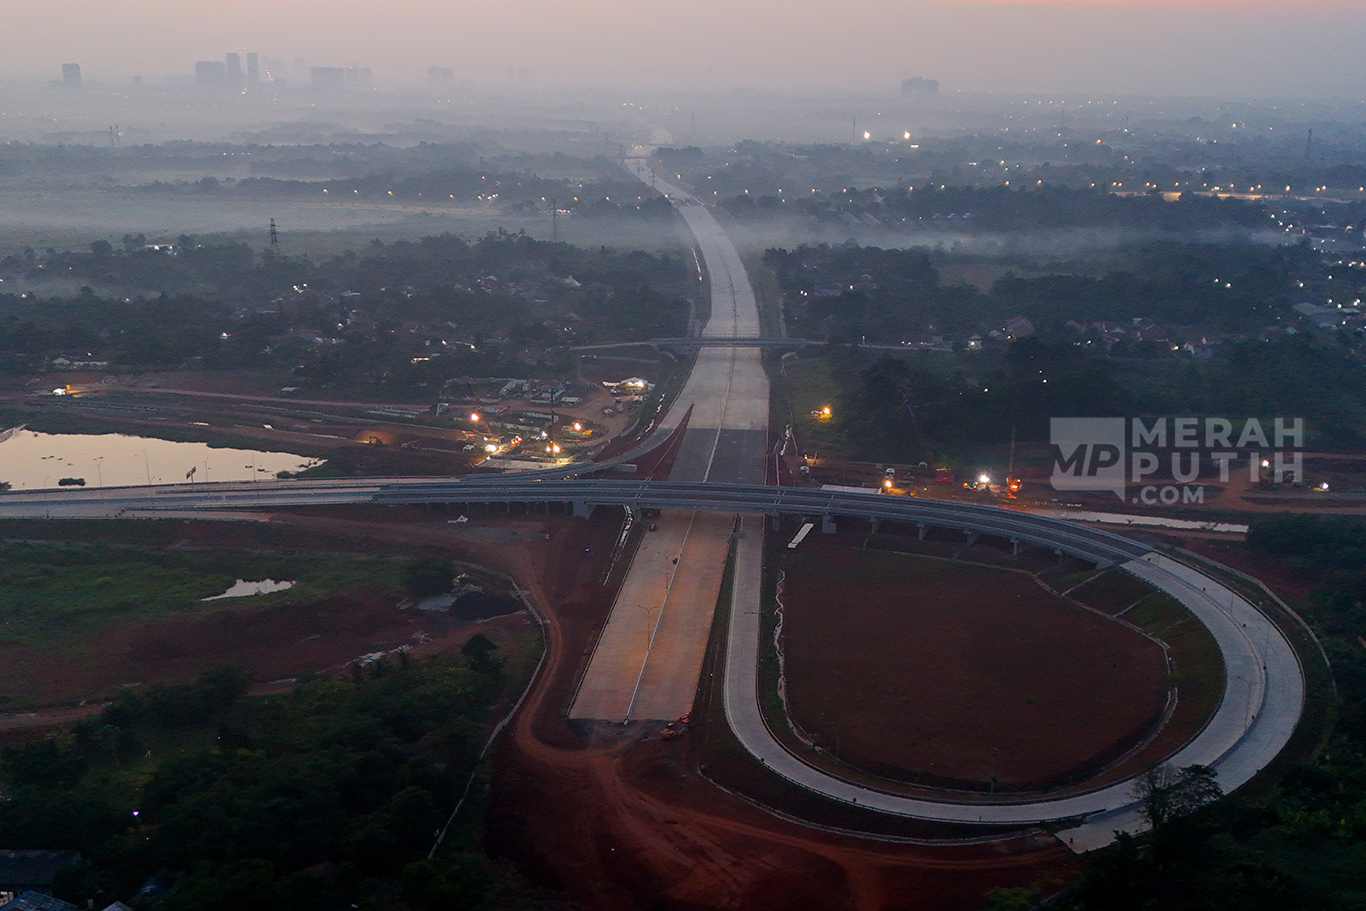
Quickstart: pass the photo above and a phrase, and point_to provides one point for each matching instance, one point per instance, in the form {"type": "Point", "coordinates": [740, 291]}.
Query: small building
{"type": "Point", "coordinates": [37, 901]}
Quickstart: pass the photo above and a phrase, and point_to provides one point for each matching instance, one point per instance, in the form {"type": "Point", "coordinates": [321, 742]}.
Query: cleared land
{"type": "Point", "coordinates": [943, 674]}
{"type": "Point", "coordinates": [90, 607]}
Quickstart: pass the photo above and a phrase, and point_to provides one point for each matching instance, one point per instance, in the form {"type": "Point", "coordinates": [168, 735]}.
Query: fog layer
{"type": "Point", "coordinates": [1196, 47]}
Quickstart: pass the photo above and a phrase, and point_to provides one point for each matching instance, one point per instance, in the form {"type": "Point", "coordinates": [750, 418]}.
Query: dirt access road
{"type": "Point", "coordinates": [615, 818]}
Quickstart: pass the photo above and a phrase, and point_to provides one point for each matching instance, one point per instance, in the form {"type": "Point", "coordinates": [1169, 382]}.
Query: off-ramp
{"type": "Point", "coordinates": [1263, 696]}
{"type": "Point", "coordinates": [1264, 691]}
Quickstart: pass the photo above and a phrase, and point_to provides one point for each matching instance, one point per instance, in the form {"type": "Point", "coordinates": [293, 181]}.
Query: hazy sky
{"type": "Point", "coordinates": [1236, 48]}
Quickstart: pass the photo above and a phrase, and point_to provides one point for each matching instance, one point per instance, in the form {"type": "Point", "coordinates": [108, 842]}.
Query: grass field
{"type": "Point", "coordinates": [1197, 664]}
{"type": "Point", "coordinates": [58, 594]}
{"type": "Point", "coordinates": [1111, 591]}
{"type": "Point", "coordinates": [810, 386]}
{"type": "Point", "coordinates": [89, 607]}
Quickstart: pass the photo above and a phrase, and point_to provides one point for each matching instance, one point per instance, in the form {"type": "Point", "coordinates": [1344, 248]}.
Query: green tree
{"type": "Point", "coordinates": [480, 651]}
{"type": "Point", "coordinates": [43, 764]}
{"type": "Point", "coordinates": [442, 884]}
{"type": "Point", "coordinates": [1167, 793]}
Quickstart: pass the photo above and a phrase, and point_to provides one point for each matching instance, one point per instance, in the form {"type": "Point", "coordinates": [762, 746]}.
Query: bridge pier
{"type": "Point", "coordinates": [1015, 546]}
{"type": "Point", "coordinates": [970, 535]}
{"type": "Point", "coordinates": [920, 527]}
{"type": "Point", "coordinates": [827, 525]}
{"type": "Point", "coordinates": [581, 509]}
{"type": "Point", "coordinates": [874, 524]}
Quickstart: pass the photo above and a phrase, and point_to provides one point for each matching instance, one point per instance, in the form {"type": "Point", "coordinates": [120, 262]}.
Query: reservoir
{"type": "Point", "coordinates": [32, 461]}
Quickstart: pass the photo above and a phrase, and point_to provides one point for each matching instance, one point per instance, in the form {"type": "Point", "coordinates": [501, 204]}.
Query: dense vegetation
{"type": "Point", "coordinates": [967, 209]}
{"type": "Point", "coordinates": [329, 797]}
{"type": "Point", "coordinates": [940, 406]}
{"type": "Point", "coordinates": [852, 292]}
{"type": "Point", "coordinates": [398, 316]}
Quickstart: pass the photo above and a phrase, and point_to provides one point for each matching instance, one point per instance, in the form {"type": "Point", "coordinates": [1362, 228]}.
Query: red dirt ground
{"type": "Point", "coordinates": [927, 671]}
{"type": "Point", "coordinates": [601, 821]}
{"type": "Point", "coordinates": [269, 643]}
{"type": "Point", "coordinates": [611, 821]}
{"type": "Point", "coordinates": [280, 641]}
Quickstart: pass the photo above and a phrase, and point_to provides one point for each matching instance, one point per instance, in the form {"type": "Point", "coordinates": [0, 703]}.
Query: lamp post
{"type": "Point", "coordinates": [650, 632]}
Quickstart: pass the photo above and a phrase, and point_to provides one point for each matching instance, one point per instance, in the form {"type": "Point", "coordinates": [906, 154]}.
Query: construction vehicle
{"type": "Point", "coordinates": [676, 727]}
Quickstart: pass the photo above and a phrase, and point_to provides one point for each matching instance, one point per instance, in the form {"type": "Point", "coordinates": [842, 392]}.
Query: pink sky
{"type": "Point", "coordinates": [1201, 47]}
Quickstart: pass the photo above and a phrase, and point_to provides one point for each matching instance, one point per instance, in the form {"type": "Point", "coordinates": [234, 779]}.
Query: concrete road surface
{"type": "Point", "coordinates": [1261, 706]}
{"type": "Point", "coordinates": [648, 659]}
{"type": "Point", "coordinates": [647, 662]}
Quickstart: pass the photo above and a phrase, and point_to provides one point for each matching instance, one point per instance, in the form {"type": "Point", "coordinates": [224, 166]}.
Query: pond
{"type": "Point", "coordinates": [242, 589]}
{"type": "Point", "coordinates": [31, 461]}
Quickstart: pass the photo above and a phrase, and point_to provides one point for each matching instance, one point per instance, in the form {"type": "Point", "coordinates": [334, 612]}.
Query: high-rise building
{"type": "Point", "coordinates": [440, 76]}
{"type": "Point", "coordinates": [253, 67]}
{"type": "Point", "coordinates": [233, 67]}
{"type": "Point", "coordinates": [71, 75]}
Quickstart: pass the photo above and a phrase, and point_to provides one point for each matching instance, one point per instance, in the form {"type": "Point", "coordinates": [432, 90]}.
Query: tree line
{"type": "Point", "coordinates": [192, 796]}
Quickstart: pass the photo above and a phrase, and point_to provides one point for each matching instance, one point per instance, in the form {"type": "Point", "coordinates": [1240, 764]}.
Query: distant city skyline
{"type": "Point", "coordinates": [1224, 48]}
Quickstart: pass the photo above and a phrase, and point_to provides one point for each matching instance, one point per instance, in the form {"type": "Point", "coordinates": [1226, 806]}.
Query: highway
{"type": "Point", "coordinates": [757, 500]}
{"type": "Point", "coordinates": [648, 659]}
{"type": "Point", "coordinates": [651, 648]}
{"type": "Point", "coordinates": [1263, 697]}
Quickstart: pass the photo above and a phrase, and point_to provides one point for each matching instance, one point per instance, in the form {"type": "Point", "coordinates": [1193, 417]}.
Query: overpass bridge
{"type": "Point", "coordinates": [1264, 688]}
{"type": "Point", "coordinates": [1094, 545]}
{"type": "Point", "coordinates": [692, 343]}
{"type": "Point", "coordinates": [1100, 547]}
{"type": "Point", "coordinates": [1264, 684]}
